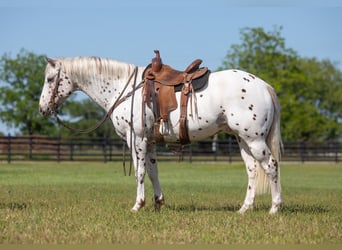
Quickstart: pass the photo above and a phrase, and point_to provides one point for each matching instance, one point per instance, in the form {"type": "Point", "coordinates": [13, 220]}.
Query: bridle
{"type": "Point", "coordinates": [118, 101]}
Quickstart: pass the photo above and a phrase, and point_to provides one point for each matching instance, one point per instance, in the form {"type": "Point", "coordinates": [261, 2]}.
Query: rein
{"type": "Point", "coordinates": [118, 101]}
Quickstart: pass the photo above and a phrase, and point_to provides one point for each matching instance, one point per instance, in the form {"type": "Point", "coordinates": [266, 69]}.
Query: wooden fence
{"type": "Point", "coordinates": [41, 148]}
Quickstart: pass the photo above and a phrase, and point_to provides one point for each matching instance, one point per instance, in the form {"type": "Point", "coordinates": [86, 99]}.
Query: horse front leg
{"type": "Point", "coordinates": [152, 171]}
{"type": "Point", "coordinates": [139, 160]}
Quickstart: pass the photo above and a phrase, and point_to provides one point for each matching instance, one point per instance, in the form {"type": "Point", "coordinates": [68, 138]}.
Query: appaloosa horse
{"type": "Point", "coordinates": [232, 101]}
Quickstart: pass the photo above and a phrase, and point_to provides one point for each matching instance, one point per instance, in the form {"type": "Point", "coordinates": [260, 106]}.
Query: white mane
{"type": "Point", "coordinates": [85, 70]}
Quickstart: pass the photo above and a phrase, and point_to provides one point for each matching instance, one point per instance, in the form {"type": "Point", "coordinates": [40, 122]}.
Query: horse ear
{"type": "Point", "coordinates": [51, 61]}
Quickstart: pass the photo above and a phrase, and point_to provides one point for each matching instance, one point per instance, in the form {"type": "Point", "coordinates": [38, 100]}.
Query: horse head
{"type": "Point", "coordinates": [57, 87]}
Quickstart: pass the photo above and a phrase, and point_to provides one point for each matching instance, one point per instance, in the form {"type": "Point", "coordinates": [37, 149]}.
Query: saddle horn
{"type": "Point", "coordinates": [156, 62]}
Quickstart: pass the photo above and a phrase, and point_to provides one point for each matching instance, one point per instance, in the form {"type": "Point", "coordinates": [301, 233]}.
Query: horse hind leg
{"type": "Point", "coordinates": [251, 169]}
{"type": "Point", "coordinates": [270, 165]}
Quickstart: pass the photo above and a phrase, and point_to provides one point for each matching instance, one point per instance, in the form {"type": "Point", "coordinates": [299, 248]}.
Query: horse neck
{"type": "Point", "coordinates": [102, 80]}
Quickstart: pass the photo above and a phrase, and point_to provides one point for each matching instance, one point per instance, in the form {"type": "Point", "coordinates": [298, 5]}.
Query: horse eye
{"type": "Point", "coordinates": [50, 79]}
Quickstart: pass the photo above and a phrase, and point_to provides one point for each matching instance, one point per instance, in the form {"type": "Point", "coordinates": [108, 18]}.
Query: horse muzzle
{"type": "Point", "coordinates": [45, 111]}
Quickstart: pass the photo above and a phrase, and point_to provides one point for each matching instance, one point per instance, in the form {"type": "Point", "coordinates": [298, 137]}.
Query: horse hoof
{"type": "Point", "coordinates": [134, 210]}
{"type": "Point", "coordinates": [245, 208]}
{"type": "Point", "coordinates": [275, 208]}
{"type": "Point", "coordinates": [158, 203]}
{"type": "Point", "coordinates": [137, 206]}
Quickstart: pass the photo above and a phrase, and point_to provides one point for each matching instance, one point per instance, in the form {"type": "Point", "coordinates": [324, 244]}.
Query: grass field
{"type": "Point", "coordinates": [90, 203]}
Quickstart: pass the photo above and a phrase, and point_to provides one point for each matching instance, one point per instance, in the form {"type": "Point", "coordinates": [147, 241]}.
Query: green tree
{"type": "Point", "coordinates": [21, 80]}
{"type": "Point", "coordinates": [85, 114]}
{"type": "Point", "coordinates": [309, 90]}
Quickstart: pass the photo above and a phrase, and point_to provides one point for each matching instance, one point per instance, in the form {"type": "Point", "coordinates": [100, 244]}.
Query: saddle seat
{"type": "Point", "coordinates": [166, 75]}
{"type": "Point", "coordinates": [161, 83]}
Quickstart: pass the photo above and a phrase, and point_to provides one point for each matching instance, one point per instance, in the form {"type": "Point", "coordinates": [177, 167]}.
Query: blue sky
{"type": "Point", "coordinates": [129, 30]}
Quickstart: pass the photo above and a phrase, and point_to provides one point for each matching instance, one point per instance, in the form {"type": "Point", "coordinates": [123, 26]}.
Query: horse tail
{"type": "Point", "coordinates": [275, 144]}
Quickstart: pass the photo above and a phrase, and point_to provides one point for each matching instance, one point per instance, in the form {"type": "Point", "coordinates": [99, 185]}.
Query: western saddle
{"type": "Point", "coordinates": [160, 84]}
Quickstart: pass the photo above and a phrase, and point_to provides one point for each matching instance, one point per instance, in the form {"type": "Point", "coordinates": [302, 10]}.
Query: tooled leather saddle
{"type": "Point", "coordinates": [161, 82]}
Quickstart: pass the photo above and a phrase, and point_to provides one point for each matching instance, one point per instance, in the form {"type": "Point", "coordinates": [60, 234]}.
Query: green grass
{"type": "Point", "coordinates": [90, 203]}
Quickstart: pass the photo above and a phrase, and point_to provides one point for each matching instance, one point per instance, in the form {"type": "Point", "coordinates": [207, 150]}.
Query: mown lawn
{"type": "Point", "coordinates": [90, 203]}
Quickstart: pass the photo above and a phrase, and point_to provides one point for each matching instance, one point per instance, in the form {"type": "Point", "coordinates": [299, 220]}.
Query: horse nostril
{"type": "Point", "coordinates": [43, 112]}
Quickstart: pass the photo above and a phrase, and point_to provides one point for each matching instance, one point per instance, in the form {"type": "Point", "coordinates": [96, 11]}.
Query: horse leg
{"type": "Point", "coordinates": [251, 168]}
{"type": "Point", "coordinates": [152, 171]}
{"type": "Point", "coordinates": [139, 160]}
{"type": "Point", "coordinates": [262, 153]}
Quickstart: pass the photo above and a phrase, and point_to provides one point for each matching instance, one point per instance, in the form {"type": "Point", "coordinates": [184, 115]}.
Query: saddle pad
{"type": "Point", "coordinates": [197, 84]}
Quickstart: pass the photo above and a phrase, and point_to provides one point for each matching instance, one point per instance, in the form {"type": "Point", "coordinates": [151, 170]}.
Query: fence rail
{"type": "Point", "coordinates": [41, 148]}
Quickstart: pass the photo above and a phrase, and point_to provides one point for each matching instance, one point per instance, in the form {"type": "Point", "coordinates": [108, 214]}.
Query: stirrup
{"type": "Point", "coordinates": [161, 127]}
{"type": "Point", "coordinates": [164, 129]}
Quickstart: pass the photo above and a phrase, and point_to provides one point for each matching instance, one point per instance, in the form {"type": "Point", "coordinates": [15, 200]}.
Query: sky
{"type": "Point", "coordinates": [129, 30]}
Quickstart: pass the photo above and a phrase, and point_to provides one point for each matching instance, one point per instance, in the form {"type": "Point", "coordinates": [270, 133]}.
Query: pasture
{"type": "Point", "coordinates": [85, 202]}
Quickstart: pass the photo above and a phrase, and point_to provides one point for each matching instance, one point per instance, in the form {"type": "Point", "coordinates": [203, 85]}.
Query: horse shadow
{"type": "Point", "coordinates": [15, 205]}
{"type": "Point", "coordinates": [286, 209]}
{"type": "Point", "coordinates": [198, 208]}
{"type": "Point", "coordinates": [233, 207]}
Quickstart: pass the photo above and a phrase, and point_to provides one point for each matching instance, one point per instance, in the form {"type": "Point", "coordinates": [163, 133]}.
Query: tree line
{"type": "Point", "coordinates": [309, 90]}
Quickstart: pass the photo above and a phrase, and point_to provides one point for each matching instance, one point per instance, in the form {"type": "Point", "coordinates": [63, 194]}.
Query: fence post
{"type": "Point", "coordinates": [71, 150]}
{"type": "Point", "coordinates": [181, 154]}
{"type": "Point", "coordinates": [104, 144]}
{"type": "Point", "coordinates": [302, 151]}
{"type": "Point", "coordinates": [9, 148]}
{"type": "Point", "coordinates": [190, 153]}
{"type": "Point", "coordinates": [30, 146]}
{"type": "Point", "coordinates": [229, 150]}
{"type": "Point", "coordinates": [58, 149]}
{"type": "Point", "coordinates": [110, 149]}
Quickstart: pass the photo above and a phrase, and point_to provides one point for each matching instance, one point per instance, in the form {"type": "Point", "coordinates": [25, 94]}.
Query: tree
{"type": "Point", "coordinates": [309, 90]}
{"type": "Point", "coordinates": [20, 87]}
{"type": "Point", "coordinates": [21, 82]}
{"type": "Point", "coordinates": [85, 114]}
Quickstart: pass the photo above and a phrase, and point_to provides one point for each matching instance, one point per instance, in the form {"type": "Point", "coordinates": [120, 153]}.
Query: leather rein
{"type": "Point", "coordinates": [118, 101]}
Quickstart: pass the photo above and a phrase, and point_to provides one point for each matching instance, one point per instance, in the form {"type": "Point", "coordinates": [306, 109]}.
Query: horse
{"type": "Point", "coordinates": [232, 101]}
